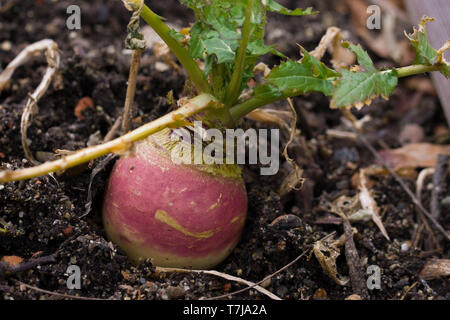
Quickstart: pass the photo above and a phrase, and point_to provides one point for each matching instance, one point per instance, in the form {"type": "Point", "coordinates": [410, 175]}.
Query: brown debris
{"type": "Point", "coordinates": [356, 271]}
{"type": "Point", "coordinates": [414, 155]}
{"type": "Point", "coordinates": [435, 269]}
{"type": "Point", "coordinates": [83, 104]}
{"type": "Point", "coordinates": [12, 260]}
{"type": "Point", "coordinates": [326, 252]}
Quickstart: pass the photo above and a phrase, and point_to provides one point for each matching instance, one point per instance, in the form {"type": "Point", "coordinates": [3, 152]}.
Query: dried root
{"type": "Point", "coordinates": [53, 60]}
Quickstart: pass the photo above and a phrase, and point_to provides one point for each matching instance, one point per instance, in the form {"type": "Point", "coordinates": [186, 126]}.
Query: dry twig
{"type": "Point", "coordinates": [131, 90]}
{"type": "Point", "coordinates": [418, 232]}
{"type": "Point", "coordinates": [120, 145]}
{"type": "Point", "coordinates": [356, 271]}
{"type": "Point", "coordinates": [61, 295]}
{"type": "Point", "coordinates": [271, 275]}
{"type": "Point", "coordinates": [222, 275]}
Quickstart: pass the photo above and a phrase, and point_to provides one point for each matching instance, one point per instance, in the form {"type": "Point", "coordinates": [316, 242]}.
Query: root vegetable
{"type": "Point", "coordinates": [178, 215]}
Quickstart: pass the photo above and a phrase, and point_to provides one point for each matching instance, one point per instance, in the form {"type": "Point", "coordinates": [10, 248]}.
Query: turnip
{"type": "Point", "coordinates": [192, 215]}
{"type": "Point", "coordinates": [179, 215]}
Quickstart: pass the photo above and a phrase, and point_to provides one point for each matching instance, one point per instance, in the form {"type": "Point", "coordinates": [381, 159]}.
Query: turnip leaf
{"type": "Point", "coordinates": [293, 78]}
{"type": "Point", "coordinates": [216, 37]}
{"type": "Point", "coordinates": [278, 8]}
{"type": "Point", "coordinates": [425, 53]}
{"type": "Point", "coordinates": [359, 86]}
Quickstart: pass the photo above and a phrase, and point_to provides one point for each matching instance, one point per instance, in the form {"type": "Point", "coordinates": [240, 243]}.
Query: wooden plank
{"type": "Point", "coordinates": [439, 33]}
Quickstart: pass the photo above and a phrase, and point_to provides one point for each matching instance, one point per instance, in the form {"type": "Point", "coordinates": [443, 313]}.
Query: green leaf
{"type": "Point", "coordinates": [258, 48]}
{"type": "Point", "coordinates": [267, 91]}
{"type": "Point", "coordinates": [358, 88]}
{"type": "Point", "coordinates": [361, 55]}
{"type": "Point", "coordinates": [445, 70]}
{"type": "Point", "coordinates": [425, 53]}
{"type": "Point", "coordinates": [295, 78]}
{"type": "Point", "coordinates": [176, 35]}
{"type": "Point", "coordinates": [274, 6]}
{"type": "Point", "coordinates": [222, 50]}
{"type": "Point", "coordinates": [217, 35]}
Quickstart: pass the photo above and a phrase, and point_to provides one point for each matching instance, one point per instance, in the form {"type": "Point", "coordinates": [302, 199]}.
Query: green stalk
{"type": "Point", "coordinates": [416, 69]}
{"type": "Point", "coordinates": [240, 110]}
{"type": "Point", "coordinates": [120, 145]}
{"type": "Point", "coordinates": [233, 89]}
{"type": "Point", "coordinates": [189, 64]}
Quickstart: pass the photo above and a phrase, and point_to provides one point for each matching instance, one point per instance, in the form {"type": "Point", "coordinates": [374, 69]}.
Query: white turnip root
{"type": "Point", "coordinates": [178, 215]}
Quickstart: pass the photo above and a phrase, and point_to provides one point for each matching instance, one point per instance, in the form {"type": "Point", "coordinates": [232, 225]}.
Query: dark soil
{"type": "Point", "coordinates": [47, 215]}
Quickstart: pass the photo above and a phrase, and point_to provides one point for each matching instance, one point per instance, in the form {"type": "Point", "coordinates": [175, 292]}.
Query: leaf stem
{"type": "Point", "coordinates": [240, 110]}
{"type": "Point", "coordinates": [189, 64]}
{"type": "Point", "coordinates": [119, 145]}
{"type": "Point", "coordinates": [416, 69]}
{"type": "Point", "coordinates": [233, 89]}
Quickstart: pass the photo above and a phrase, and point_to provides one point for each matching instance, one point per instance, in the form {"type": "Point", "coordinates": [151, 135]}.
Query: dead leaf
{"type": "Point", "coordinates": [435, 269]}
{"type": "Point", "coordinates": [406, 172]}
{"type": "Point", "coordinates": [385, 45]}
{"type": "Point", "coordinates": [326, 252]}
{"type": "Point", "coordinates": [263, 68]}
{"type": "Point", "coordinates": [268, 117]}
{"type": "Point", "coordinates": [369, 205]}
{"type": "Point", "coordinates": [415, 155]}
{"type": "Point", "coordinates": [331, 41]}
{"type": "Point", "coordinates": [360, 208]}
{"type": "Point", "coordinates": [162, 51]}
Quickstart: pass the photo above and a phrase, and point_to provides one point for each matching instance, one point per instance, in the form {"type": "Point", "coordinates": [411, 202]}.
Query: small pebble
{"type": "Point", "coordinates": [401, 283]}
{"type": "Point", "coordinates": [175, 292]}
{"type": "Point", "coordinates": [405, 247]}
{"type": "Point", "coordinates": [345, 155]}
{"type": "Point", "coordinates": [281, 291]}
{"type": "Point", "coordinates": [411, 133]}
{"type": "Point", "coordinates": [6, 46]}
{"type": "Point", "coordinates": [111, 50]}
